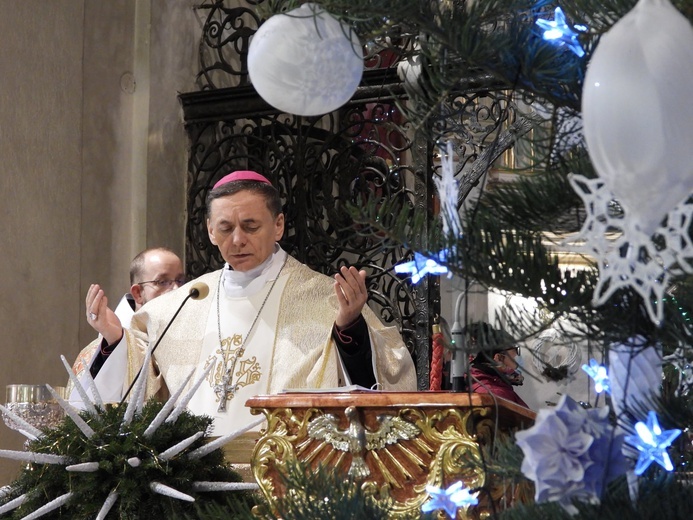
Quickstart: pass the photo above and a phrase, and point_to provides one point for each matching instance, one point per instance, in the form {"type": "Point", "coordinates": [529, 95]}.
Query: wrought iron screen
{"type": "Point", "coordinates": [364, 152]}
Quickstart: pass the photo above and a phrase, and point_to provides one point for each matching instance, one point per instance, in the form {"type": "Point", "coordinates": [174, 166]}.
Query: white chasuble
{"type": "Point", "coordinates": [109, 380]}
{"type": "Point", "coordinates": [289, 347]}
{"type": "Point", "coordinates": [242, 360]}
{"type": "Point", "coordinates": [239, 342]}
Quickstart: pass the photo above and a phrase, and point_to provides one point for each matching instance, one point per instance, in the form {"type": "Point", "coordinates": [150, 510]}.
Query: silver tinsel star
{"type": "Point", "coordinates": [679, 359]}
{"type": "Point", "coordinates": [168, 414]}
{"type": "Point", "coordinates": [448, 192]}
{"type": "Point", "coordinates": [626, 256]}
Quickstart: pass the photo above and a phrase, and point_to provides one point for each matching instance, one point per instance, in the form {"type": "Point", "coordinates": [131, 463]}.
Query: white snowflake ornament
{"type": "Point", "coordinates": [626, 256]}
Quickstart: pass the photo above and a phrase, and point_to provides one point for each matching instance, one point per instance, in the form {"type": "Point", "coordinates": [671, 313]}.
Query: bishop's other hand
{"type": "Point", "coordinates": [350, 286]}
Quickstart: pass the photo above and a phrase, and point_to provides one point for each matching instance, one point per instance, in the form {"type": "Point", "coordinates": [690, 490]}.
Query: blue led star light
{"type": "Point", "coordinates": [421, 266]}
{"type": "Point", "coordinates": [451, 499]}
{"type": "Point", "coordinates": [598, 373]}
{"type": "Point", "coordinates": [652, 443]}
{"type": "Point", "coordinates": [560, 32]}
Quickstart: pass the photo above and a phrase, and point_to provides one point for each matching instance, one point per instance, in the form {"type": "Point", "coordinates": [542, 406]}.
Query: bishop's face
{"type": "Point", "coordinates": [244, 229]}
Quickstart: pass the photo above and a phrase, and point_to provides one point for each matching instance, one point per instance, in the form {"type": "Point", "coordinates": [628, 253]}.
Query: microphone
{"type": "Point", "coordinates": [459, 363]}
{"type": "Point", "coordinates": [458, 367]}
{"type": "Point", "coordinates": [198, 291]}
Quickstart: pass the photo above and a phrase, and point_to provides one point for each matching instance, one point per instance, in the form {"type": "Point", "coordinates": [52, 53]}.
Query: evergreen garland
{"type": "Point", "coordinates": [322, 494]}
{"type": "Point", "coordinates": [111, 446]}
{"type": "Point", "coordinates": [311, 493]}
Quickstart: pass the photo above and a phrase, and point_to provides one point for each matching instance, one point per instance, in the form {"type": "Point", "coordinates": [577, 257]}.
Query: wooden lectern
{"type": "Point", "coordinates": [395, 443]}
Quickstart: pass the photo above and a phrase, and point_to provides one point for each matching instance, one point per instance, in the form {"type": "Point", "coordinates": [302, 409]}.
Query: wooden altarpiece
{"type": "Point", "coordinates": [394, 443]}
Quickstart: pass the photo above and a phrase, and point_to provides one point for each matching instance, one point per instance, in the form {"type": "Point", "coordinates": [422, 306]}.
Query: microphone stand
{"type": "Point", "coordinates": [194, 294]}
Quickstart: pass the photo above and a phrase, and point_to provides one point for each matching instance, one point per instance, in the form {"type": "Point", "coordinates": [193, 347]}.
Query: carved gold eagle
{"type": "Point", "coordinates": [356, 439]}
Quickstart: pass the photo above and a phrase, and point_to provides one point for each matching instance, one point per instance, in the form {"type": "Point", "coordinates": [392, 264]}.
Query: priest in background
{"type": "Point", "coordinates": [268, 324]}
{"type": "Point", "coordinates": [153, 272]}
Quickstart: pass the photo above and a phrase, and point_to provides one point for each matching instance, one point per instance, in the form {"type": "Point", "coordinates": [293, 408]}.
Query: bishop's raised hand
{"type": "Point", "coordinates": [350, 287]}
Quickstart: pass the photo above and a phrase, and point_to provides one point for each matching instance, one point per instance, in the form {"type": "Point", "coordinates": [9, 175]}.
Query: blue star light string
{"type": "Point", "coordinates": [599, 374]}
{"type": "Point", "coordinates": [421, 266]}
{"type": "Point", "coordinates": [560, 32]}
{"type": "Point", "coordinates": [652, 443]}
{"type": "Point", "coordinates": [450, 500]}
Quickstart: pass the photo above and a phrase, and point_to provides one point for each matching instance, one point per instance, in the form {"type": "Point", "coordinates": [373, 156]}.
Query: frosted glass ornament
{"type": "Point", "coordinates": [305, 62]}
{"type": "Point", "coordinates": [637, 111]}
{"type": "Point", "coordinates": [635, 375]}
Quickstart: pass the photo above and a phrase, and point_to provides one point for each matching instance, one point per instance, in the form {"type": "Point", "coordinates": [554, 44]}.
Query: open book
{"type": "Point", "coordinates": [339, 389]}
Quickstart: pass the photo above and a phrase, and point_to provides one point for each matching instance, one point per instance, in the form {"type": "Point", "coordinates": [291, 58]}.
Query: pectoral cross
{"type": "Point", "coordinates": [224, 390]}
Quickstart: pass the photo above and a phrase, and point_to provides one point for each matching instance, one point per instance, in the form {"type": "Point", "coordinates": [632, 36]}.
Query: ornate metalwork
{"type": "Point", "coordinates": [225, 42]}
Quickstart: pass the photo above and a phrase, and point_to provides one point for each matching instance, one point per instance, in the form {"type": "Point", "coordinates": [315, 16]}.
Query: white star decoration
{"type": "Point", "coordinates": [171, 410]}
{"type": "Point", "coordinates": [652, 443]}
{"type": "Point", "coordinates": [632, 258]}
{"type": "Point", "coordinates": [450, 500]}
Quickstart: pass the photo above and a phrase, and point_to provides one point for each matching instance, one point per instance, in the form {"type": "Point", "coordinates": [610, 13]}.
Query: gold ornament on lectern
{"type": "Point", "coordinates": [356, 439]}
{"type": "Point", "coordinates": [393, 444]}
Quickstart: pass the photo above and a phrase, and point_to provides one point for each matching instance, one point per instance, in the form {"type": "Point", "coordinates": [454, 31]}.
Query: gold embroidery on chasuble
{"type": "Point", "coordinates": [249, 372]}
{"type": "Point", "coordinates": [237, 350]}
{"type": "Point", "coordinates": [234, 372]}
{"type": "Point", "coordinates": [84, 358]}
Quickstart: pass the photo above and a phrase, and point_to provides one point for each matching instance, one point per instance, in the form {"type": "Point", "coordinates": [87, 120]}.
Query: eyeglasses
{"type": "Point", "coordinates": [161, 284]}
{"type": "Point", "coordinates": [516, 349]}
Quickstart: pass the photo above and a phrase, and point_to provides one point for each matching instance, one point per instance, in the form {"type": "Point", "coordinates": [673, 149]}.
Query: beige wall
{"type": "Point", "coordinates": [93, 167]}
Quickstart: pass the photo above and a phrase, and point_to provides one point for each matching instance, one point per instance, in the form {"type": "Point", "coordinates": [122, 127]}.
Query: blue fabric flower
{"type": "Point", "coordinates": [571, 453]}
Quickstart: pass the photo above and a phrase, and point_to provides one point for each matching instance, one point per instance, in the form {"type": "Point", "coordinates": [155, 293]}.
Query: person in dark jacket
{"type": "Point", "coordinates": [494, 369]}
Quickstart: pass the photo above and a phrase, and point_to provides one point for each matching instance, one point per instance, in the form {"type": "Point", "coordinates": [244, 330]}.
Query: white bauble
{"type": "Point", "coordinates": [638, 114]}
{"type": "Point", "coordinates": [305, 62]}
